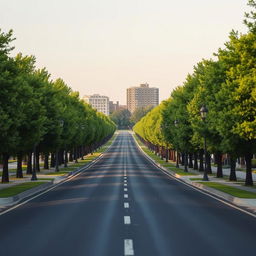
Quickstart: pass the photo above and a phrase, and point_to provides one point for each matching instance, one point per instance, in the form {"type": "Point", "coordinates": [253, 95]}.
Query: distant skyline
{"type": "Point", "coordinates": [104, 47]}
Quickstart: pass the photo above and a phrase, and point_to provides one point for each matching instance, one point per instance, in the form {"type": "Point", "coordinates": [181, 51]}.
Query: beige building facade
{"type": "Point", "coordinates": [99, 102]}
{"type": "Point", "coordinates": [142, 96]}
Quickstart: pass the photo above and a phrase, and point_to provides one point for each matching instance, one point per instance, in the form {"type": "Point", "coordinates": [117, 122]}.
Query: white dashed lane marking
{"type": "Point", "coordinates": [125, 189]}
{"type": "Point", "coordinates": [126, 205]}
{"type": "Point", "coordinates": [128, 247]}
{"type": "Point", "coordinates": [125, 195]}
{"type": "Point", "coordinates": [127, 220]}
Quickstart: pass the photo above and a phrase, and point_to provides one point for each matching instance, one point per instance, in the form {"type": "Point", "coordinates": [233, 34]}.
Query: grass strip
{"type": "Point", "coordinates": [180, 172]}
{"type": "Point", "coordinates": [15, 190]}
{"type": "Point", "coordinates": [230, 190]}
{"type": "Point", "coordinates": [59, 173]}
{"type": "Point", "coordinates": [196, 179]}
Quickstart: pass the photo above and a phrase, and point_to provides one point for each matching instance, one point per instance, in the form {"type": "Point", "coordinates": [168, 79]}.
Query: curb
{"type": "Point", "coordinates": [250, 204]}
{"type": "Point", "coordinates": [10, 201]}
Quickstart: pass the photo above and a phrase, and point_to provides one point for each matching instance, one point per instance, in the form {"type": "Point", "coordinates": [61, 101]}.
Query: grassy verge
{"type": "Point", "coordinates": [196, 179]}
{"type": "Point", "coordinates": [165, 164]}
{"type": "Point", "coordinates": [230, 190]}
{"type": "Point", "coordinates": [14, 190]}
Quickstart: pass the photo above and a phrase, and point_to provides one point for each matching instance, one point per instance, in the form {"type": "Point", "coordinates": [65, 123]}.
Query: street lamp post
{"type": "Point", "coordinates": [34, 177]}
{"type": "Point", "coordinates": [203, 112]}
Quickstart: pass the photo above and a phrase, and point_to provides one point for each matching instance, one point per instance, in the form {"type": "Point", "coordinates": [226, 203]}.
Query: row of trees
{"type": "Point", "coordinates": [227, 87]}
{"type": "Point", "coordinates": [42, 116]}
{"type": "Point", "coordinates": [124, 119]}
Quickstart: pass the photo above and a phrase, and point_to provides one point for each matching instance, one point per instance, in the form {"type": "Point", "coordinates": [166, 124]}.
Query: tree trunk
{"type": "Point", "coordinates": [182, 159]}
{"type": "Point", "coordinates": [173, 155]}
{"type": "Point", "coordinates": [29, 163]}
{"type": "Point", "coordinates": [186, 162]}
{"type": "Point", "coordinates": [195, 161]}
{"type": "Point", "coordinates": [82, 152]}
{"type": "Point", "coordinates": [232, 176]}
{"type": "Point", "coordinates": [46, 161]}
{"type": "Point", "coordinates": [71, 156]}
{"type": "Point", "coordinates": [166, 155]}
{"type": "Point", "coordinates": [190, 165]}
{"type": "Point", "coordinates": [177, 159]}
{"type": "Point", "coordinates": [52, 164]}
{"type": "Point", "coordinates": [248, 161]}
{"type": "Point", "coordinates": [62, 156]}
{"type": "Point", "coordinates": [218, 159]}
{"type": "Point", "coordinates": [75, 155]}
{"type": "Point", "coordinates": [37, 160]}
{"type": "Point", "coordinates": [201, 160]}
{"type": "Point", "coordinates": [19, 173]}
{"type": "Point", "coordinates": [5, 174]}
{"type": "Point", "coordinates": [161, 152]}
{"type": "Point", "coordinates": [57, 161]}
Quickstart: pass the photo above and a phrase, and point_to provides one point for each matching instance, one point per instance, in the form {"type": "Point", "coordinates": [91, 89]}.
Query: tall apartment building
{"type": "Point", "coordinates": [142, 96]}
{"type": "Point", "coordinates": [99, 102]}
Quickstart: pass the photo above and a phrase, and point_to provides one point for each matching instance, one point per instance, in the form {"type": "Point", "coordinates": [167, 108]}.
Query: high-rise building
{"type": "Point", "coordinates": [99, 102]}
{"type": "Point", "coordinates": [142, 96]}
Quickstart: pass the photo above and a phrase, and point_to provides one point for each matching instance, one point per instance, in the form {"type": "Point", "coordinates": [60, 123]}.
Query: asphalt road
{"type": "Point", "coordinates": [124, 205]}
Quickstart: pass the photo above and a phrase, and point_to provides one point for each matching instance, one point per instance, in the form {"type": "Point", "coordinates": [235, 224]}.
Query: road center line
{"type": "Point", "coordinates": [128, 247]}
{"type": "Point", "coordinates": [126, 205]}
{"type": "Point", "coordinates": [127, 220]}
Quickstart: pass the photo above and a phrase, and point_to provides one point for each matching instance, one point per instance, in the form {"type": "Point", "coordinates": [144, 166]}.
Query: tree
{"type": "Point", "coordinates": [250, 18]}
{"type": "Point", "coordinates": [236, 121]}
{"type": "Point", "coordinates": [139, 113]}
{"type": "Point", "coordinates": [121, 118]}
{"type": "Point", "coordinates": [211, 76]}
{"type": "Point", "coordinates": [32, 116]}
{"type": "Point", "coordinates": [9, 101]}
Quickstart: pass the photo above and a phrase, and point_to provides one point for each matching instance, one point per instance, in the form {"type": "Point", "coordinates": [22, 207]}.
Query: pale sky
{"type": "Point", "coordinates": [106, 46]}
